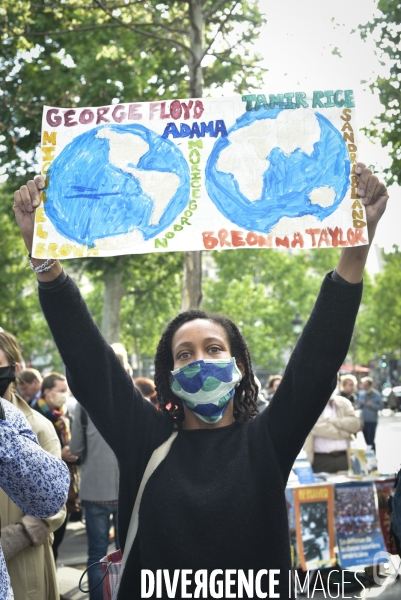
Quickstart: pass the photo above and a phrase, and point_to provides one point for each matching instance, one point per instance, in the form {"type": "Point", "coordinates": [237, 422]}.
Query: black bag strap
{"type": "Point", "coordinates": [101, 562]}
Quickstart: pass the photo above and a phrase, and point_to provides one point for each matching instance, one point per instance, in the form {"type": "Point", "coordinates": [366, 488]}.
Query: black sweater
{"type": "Point", "coordinates": [217, 501]}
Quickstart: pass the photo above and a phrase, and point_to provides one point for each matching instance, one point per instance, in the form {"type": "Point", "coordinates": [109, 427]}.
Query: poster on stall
{"type": "Point", "coordinates": [384, 490]}
{"type": "Point", "coordinates": [315, 526]}
{"type": "Point", "coordinates": [254, 171]}
{"type": "Point", "coordinates": [357, 523]}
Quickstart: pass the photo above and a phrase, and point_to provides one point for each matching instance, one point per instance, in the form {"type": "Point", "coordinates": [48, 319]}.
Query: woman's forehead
{"type": "Point", "coordinates": [199, 330]}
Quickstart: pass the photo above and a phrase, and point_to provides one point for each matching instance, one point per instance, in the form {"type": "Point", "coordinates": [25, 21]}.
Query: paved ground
{"type": "Point", "coordinates": [388, 446]}
{"type": "Point", "coordinates": [72, 553]}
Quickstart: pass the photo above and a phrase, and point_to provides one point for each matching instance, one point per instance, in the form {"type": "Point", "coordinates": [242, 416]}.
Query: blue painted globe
{"type": "Point", "coordinates": [278, 163]}
{"type": "Point", "coordinates": [115, 180]}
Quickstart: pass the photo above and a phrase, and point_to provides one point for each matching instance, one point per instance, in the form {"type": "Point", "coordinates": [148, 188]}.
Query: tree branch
{"type": "Point", "coordinates": [64, 31]}
{"type": "Point", "coordinates": [233, 62]}
{"type": "Point", "coordinates": [215, 9]}
{"type": "Point", "coordinates": [222, 23]}
{"type": "Point", "coordinates": [73, 6]}
{"type": "Point", "coordinates": [143, 33]}
{"type": "Point", "coordinates": [155, 284]}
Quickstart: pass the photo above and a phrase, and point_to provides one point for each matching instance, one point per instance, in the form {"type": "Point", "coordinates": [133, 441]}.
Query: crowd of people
{"type": "Point", "coordinates": [224, 456]}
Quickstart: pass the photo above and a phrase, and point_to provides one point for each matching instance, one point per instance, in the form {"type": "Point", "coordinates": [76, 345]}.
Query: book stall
{"type": "Point", "coordinates": [339, 521]}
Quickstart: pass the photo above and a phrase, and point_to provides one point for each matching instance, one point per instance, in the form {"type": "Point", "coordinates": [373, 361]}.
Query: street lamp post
{"type": "Point", "coordinates": [297, 325]}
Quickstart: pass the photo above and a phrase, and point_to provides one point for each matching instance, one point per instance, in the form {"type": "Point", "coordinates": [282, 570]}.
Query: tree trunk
{"type": "Point", "coordinates": [192, 284]}
{"type": "Point", "coordinates": [197, 36]}
{"type": "Point", "coordinates": [113, 294]}
{"type": "Point", "coordinates": [192, 281]}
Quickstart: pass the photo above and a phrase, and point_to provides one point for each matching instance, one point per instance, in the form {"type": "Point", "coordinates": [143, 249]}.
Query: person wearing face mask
{"type": "Point", "coordinates": [51, 405]}
{"type": "Point", "coordinates": [26, 540]}
{"type": "Point", "coordinates": [217, 500]}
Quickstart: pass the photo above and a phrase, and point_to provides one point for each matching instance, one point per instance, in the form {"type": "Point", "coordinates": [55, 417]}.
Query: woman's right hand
{"type": "Point", "coordinates": [67, 456]}
{"type": "Point", "coordinates": [26, 201]}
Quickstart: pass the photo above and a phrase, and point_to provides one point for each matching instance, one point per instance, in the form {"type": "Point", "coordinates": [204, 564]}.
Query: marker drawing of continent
{"type": "Point", "coordinates": [125, 150]}
{"type": "Point", "coordinates": [246, 156]}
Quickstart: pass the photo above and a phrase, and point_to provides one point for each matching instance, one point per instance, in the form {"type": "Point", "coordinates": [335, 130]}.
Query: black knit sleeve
{"type": "Point", "coordinates": [311, 374]}
{"type": "Point", "coordinates": [96, 376]}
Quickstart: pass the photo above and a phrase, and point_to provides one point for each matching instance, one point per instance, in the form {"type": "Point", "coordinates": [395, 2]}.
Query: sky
{"type": "Point", "coordinates": [297, 45]}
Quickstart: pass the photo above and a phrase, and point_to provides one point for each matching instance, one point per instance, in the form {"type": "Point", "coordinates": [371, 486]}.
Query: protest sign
{"type": "Point", "coordinates": [315, 526]}
{"type": "Point", "coordinates": [358, 531]}
{"type": "Point", "coordinates": [252, 171]}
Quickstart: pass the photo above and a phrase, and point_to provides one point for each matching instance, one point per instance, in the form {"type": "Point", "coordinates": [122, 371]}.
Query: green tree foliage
{"type": "Point", "coordinates": [382, 323]}
{"type": "Point", "coordinates": [262, 290]}
{"type": "Point", "coordinates": [386, 29]}
{"type": "Point", "coordinates": [152, 291]}
{"type": "Point", "coordinates": [20, 311]}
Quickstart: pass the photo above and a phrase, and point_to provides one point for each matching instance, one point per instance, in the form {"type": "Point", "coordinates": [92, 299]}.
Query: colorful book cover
{"type": "Point", "coordinates": [384, 490]}
{"type": "Point", "coordinates": [315, 526]}
{"type": "Point", "coordinates": [358, 530]}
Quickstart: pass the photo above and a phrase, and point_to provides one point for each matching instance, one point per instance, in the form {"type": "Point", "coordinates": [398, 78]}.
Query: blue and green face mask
{"type": "Point", "coordinates": [207, 386]}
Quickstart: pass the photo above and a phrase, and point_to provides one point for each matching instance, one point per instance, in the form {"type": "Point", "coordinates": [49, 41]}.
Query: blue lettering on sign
{"type": "Point", "coordinates": [213, 128]}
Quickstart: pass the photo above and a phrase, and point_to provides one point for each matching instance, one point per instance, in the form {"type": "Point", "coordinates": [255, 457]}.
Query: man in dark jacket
{"type": "Point", "coordinates": [370, 402]}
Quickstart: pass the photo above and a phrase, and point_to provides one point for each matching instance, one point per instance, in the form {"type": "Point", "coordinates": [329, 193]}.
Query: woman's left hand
{"type": "Point", "coordinates": [373, 194]}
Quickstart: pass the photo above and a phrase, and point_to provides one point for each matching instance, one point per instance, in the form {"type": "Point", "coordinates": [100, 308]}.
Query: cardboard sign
{"type": "Point", "coordinates": [261, 170]}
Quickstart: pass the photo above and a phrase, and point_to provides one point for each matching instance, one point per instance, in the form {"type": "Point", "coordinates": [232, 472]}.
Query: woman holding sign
{"type": "Point", "coordinates": [214, 511]}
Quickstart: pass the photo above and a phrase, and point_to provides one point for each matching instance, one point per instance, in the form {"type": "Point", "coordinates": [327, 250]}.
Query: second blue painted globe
{"type": "Point", "coordinates": [288, 180]}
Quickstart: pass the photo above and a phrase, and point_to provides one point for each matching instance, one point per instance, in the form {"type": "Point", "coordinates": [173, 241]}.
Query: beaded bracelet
{"type": "Point", "coordinates": [46, 266]}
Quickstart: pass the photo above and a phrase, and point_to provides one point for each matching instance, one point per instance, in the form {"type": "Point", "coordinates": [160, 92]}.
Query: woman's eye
{"type": "Point", "coordinates": [214, 349]}
{"type": "Point", "coordinates": [184, 355]}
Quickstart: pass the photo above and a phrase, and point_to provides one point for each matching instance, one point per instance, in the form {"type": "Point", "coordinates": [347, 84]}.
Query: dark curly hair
{"type": "Point", "coordinates": [246, 393]}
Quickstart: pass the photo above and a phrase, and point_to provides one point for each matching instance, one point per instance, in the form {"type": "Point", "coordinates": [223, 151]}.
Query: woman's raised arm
{"type": "Point", "coordinates": [26, 201]}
